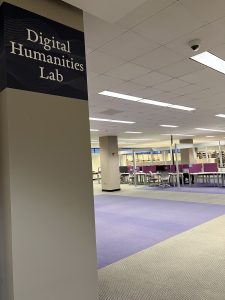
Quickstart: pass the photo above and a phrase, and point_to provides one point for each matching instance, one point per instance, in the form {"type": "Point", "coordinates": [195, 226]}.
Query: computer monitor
{"type": "Point", "coordinates": [123, 169]}
{"type": "Point", "coordinates": [160, 169]}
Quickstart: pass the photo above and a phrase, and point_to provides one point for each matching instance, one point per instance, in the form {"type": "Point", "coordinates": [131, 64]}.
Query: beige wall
{"type": "Point", "coordinates": [46, 192]}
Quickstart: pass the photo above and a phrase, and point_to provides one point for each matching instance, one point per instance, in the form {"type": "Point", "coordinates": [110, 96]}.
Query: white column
{"type": "Point", "coordinates": [47, 238]}
{"type": "Point", "coordinates": [109, 163]}
{"type": "Point", "coordinates": [187, 155]}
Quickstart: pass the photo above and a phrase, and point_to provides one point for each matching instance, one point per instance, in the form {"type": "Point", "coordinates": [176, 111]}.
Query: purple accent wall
{"type": "Point", "coordinates": [210, 167]}
{"type": "Point", "coordinates": [147, 169]}
{"type": "Point", "coordinates": [193, 168]}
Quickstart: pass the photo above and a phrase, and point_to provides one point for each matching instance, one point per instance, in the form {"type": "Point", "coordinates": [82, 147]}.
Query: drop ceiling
{"type": "Point", "coordinates": [144, 52]}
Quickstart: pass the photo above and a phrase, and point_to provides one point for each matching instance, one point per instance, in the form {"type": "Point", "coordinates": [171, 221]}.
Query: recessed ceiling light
{"type": "Point", "coordinates": [94, 130]}
{"type": "Point", "coordinates": [221, 115]}
{"type": "Point", "coordinates": [146, 101]}
{"type": "Point", "coordinates": [208, 59]}
{"type": "Point", "coordinates": [170, 126]}
{"type": "Point", "coordinates": [120, 96]}
{"type": "Point", "coordinates": [210, 136]}
{"type": "Point", "coordinates": [133, 132]}
{"type": "Point", "coordinates": [136, 139]}
{"type": "Point", "coordinates": [181, 107]}
{"type": "Point", "coordinates": [110, 120]}
{"type": "Point", "coordinates": [153, 102]}
{"type": "Point", "coordinates": [177, 134]}
{"type": "Point", "coordinates": [165, 104]}
{"type": "Point", "coordinates": [94, 141]}
{"type": "Point", "coordinates": [207, 129]}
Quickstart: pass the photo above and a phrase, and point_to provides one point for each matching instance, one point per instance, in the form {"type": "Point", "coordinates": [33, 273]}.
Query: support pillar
{"type": "Point", "coordinates": [187, 155]}
{"type": "Point", "coordinates": [109, 163]}
{"type": "Point", "coordinates": [47, 236]}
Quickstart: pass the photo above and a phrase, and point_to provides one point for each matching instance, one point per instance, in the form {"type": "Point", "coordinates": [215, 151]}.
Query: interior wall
{"type": "Point", "coordinates": [6, 278]}
{"type": "Point", "coordinates": [51, 200]}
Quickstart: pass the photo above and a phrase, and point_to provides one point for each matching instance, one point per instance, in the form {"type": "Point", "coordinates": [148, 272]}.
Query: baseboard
{"type": "Point", "coordinates": [116, 190]}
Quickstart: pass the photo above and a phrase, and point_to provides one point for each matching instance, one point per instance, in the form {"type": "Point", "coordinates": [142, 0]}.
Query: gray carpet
{"type": "Point", "coordinates": [131, 191]}
{"type": "Point", "coordinates": [189, 266]}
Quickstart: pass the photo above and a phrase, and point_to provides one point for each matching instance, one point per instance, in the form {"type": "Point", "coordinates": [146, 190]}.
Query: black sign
{"type": "Point", "coordinates": [41, 55]}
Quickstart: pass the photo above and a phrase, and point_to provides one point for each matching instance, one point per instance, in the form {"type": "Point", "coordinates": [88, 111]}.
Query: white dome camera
{"type": "Point", "coordinates": [194, 44]}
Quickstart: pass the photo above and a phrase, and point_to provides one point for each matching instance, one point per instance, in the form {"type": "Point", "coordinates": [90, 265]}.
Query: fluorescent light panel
{"type": "Point", "coordinates": [221, 115]}
{"type": "Point", "coordinates": [181, 107]}
{"type": "Point", "coordinates": [208, 129]}
{"type": "Point", "coordinates": [135, 139]}
{"type": "Point", "coordinates": [177, 134]}
{"type": "Point", "coordinates": [133, 132]}
{"type": "Point", "coordinates": [120, 96]}
{"type": "Point", "coordinates": [93, 130]}
{"type": "Point", "coordinates": [165, 104]}
{"type": "Point", "coordinates": [110, 120]}
{"type": "Point", "coordinates": [153, 102]}
{"type": "Point", "coordinates": [146, 101]}
{"type": "Point", "coordinates": [210, 136]}
{"type": "Point", "coordinates": [169, 126]}
{"type": "Point", "coordinates": [208, 59]}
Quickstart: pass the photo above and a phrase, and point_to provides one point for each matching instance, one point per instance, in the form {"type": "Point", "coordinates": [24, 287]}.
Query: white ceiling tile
{"type": "Point", "coordinates": [166, 96]}
{"type": "Point", "coordinates": [144, 11]}
{"type": "Point", "coordinates": [210, 35]}
{"type": "Point", "coordinates": [99, 32]}
{"type": "Point", "coordinates": [205, 90]}
{"type": "Point", "coordinates": [170, 85]}
{"type": "Point", "coordinates": [91, 75]}
{"type": "Point", "coordinates": [88, 50]}
{"type": "Point", "coordinates": [128, 87]}
{"type": "Point", "coordinates": [206, 10]}
{"type": "Point", "coordinates": [128, 71]}
{"type": "Point", "coordinates": [181, 68]}
{"type": "Point", "coordinates": [205, 94]}
{"type": "Point", "coordinates": [206, 77]}
{"type": "Point", "coordinates": [102, 82]}
{"type": "Point", "coordinates": [158, 58]}
{"type": "Point", "coordinates": [169, 24]}
{"type": "Point", "coordinates": [108, 10]}
{"type": "Point", "coordinates": [99, 62]}
{"type": "Point", "coordinates": [189, 89]}
{"type": "Point", "coordinates": [151, 79]}
{"type": "Point", "coordinates": [147, 93]}
{"type": "Point", "coordinates": [219, 51]}
{"type": "Point", "coordinates": [129, 46]}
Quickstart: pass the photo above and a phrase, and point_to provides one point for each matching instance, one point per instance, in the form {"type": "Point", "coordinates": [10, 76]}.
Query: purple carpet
{"type": "Point", "coordinates": [127, 225]}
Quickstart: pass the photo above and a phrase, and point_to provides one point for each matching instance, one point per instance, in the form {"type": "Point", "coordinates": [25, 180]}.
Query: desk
{"type": "Point", "coordinates": [140, 178]}
{"type": "Point", "coordinates": [206, 177]}
{"type": "Point", "coordinates": [98, 177]}
{"type": "Point", "coordinates": [174, 178]}
{"type": "Point", "coordinates": [124, 177]}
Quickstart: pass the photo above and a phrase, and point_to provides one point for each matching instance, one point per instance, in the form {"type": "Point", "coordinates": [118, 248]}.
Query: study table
{"type": "Point", "coordinates": [98, 176]}
{"type": "Point", "coordinates": [206, 176]}
{"type": "Point", "coordinates": [124, 177]}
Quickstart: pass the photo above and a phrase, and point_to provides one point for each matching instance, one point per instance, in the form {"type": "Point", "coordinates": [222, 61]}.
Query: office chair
{"type": "Point", "coordinates": [165, 179]}
{"type": "Point", "coordinates": [151, 178]}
